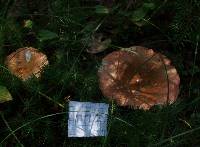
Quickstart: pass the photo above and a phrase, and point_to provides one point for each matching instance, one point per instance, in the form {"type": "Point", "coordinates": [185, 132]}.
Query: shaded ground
{"type": "Point", "coordinates": [63, 31]}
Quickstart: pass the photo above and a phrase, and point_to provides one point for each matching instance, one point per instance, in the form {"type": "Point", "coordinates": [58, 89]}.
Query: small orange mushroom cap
{"type": "Point", "coordinates": [138, 77]}
{"type": "Point", "coordinates": [26, 62]}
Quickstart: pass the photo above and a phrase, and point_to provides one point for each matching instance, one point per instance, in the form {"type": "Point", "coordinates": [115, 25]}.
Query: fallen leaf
{"type": "Point", "coordinates": [97, 44]}
{"type": "Point", "coordinates": [44, 35]}
{"type": "Point", "coordinates": [4, 94]}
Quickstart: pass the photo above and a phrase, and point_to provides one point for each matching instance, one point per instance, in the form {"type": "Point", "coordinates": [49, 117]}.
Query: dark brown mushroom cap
{"type": "Point", "coordinates": [138, 77]}
{"type": "Point", "coordinates": [26, 62]}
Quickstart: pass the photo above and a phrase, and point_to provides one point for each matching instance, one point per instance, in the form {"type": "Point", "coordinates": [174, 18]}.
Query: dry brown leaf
{"type": "Point", "coordinates": [97, 44]}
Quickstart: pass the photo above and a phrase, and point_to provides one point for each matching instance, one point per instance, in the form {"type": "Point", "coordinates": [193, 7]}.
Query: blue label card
{"type": "Point", "coordinates": [87, 119]}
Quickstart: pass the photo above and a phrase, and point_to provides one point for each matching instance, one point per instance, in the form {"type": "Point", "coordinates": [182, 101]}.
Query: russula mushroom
{"type": "Point", "coordinates": [138, 77]}
{"type": "Point", "coordinates": [25, 62]}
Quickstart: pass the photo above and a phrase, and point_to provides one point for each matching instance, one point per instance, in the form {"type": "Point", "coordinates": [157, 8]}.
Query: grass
{"type": "Point", "coordinates": [37, 116]}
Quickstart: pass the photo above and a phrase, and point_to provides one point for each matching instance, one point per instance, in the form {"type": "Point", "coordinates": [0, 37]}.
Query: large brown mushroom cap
{"type": "Point", "coordinates": [26, 62]}
{"type": "Point", "coordinates": [138, 77]}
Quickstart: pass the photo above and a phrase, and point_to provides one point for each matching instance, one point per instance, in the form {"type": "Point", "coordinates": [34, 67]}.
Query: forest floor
{"type": "Point", "coordinates": [64, 30]}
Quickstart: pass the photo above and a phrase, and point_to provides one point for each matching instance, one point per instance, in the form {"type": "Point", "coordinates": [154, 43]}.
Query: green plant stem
{"type": "Point", "coordinates": [167, 77]}
{"type": "Point", "coordinates": [125, 122]}
{"type": "Point", "coordinates": [6, 8]}
{"type": "Point", "coordinates": [9, 128]}
{"type": "Point", "coordinates": [111, 118]}
{"type": "Point", "coordinates": [194, 63]}
{"type": "Point", "coordinates": [176, 136]}
{"type": "Point", "coordinates": [30, 122]}
{"type": "Point", "coordinates": [164, 34]}
{"type": "Point", "coordinates": [49, 98]}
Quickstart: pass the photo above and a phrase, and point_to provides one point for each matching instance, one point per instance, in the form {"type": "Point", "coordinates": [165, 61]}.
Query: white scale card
{"type": "Point", "coordinates": [87, 119]}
